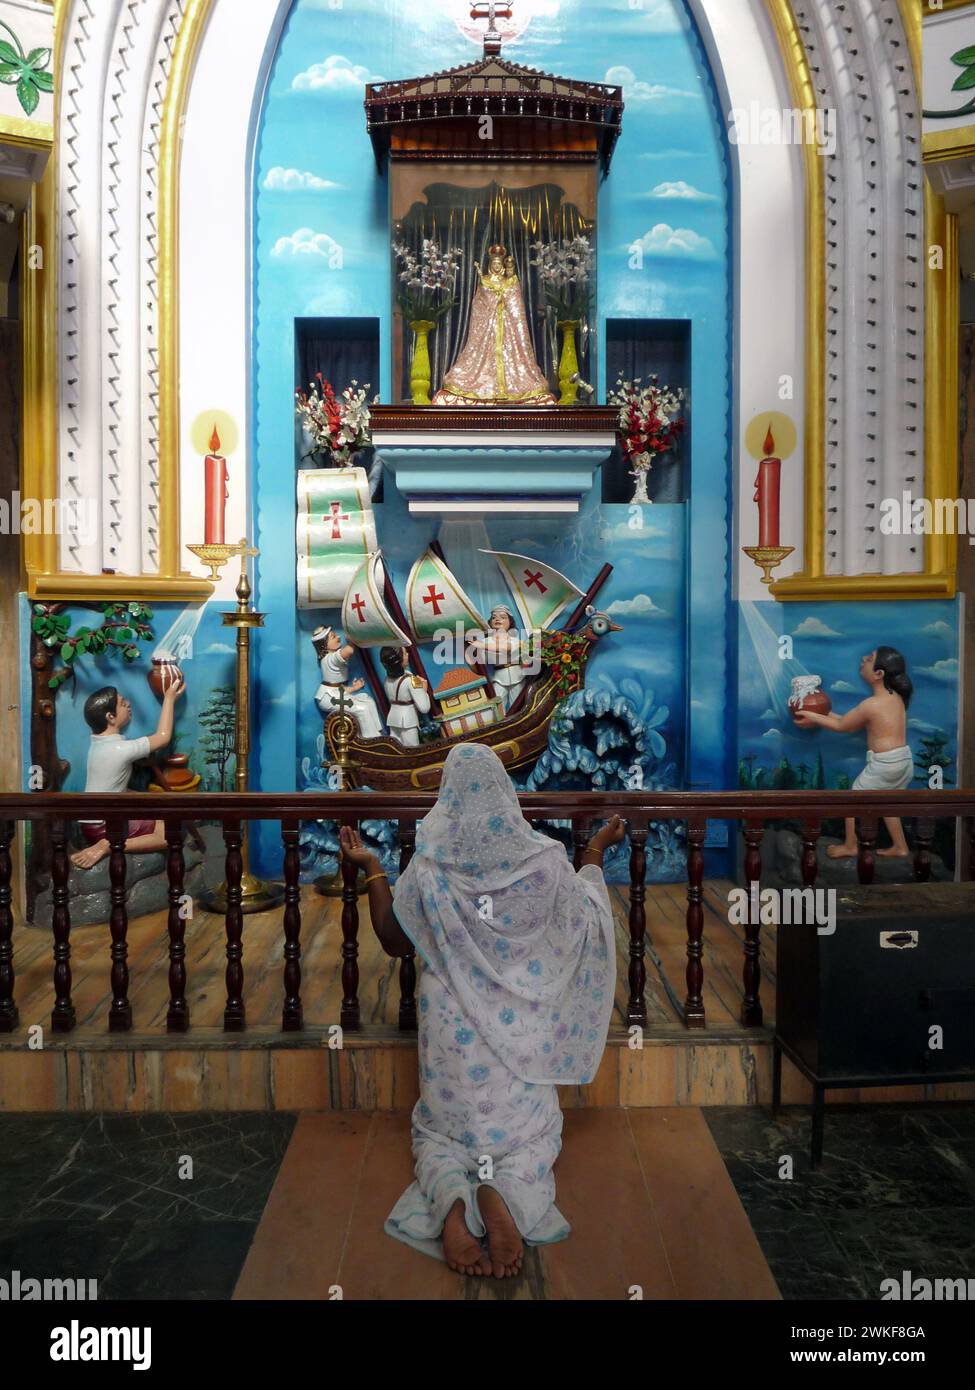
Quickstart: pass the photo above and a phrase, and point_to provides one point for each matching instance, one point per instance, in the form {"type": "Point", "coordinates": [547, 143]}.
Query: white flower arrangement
{"type": "Point", "coordinates": [426, 280]}
{"type": "Point", "coordinates": [565, 275]}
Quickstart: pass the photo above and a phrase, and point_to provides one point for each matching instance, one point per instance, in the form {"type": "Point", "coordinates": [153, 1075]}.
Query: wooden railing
{"type": "Point", "coordinates": [640, 809]}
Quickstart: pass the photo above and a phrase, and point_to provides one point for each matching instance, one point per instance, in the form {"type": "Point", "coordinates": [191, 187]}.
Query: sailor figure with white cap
{"type": "Point", "coordinates": [334, 660]}
{"type": "Point", "coordinates": [500, 648]}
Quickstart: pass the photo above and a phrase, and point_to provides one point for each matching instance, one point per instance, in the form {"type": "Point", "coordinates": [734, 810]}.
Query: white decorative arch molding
{"type": "Point", "coordinates": [115, 57]}
{"type": "Point", "coordinates": [860, 62]}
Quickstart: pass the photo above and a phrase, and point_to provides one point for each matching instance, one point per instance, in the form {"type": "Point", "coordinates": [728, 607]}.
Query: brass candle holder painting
{"type": "Point", "coordinates": [214, 435]}
{"type": "Point", "coordinates": [769, 439]}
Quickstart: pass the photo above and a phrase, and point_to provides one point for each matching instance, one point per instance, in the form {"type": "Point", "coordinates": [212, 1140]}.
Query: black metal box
{"type": "Point", "coordinates": [864, 1002]}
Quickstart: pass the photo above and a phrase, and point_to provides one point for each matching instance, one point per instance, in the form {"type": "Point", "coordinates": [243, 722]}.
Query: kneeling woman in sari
{"type": "Point", "coordinates": [514, 999]}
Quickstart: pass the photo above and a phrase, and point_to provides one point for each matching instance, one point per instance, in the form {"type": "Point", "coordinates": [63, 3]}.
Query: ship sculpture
{"type": "Point", "coordinates": [467, 705]}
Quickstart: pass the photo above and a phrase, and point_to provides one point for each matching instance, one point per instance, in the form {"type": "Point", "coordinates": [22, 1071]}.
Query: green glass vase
{"type": "Point", "coordinates": [568, 362]}
{"type": "Point", "coordinates": [420, 365]}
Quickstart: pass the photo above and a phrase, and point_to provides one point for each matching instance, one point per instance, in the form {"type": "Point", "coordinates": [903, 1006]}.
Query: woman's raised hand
{"type": "Point", "coordinates": [353, 848]}
{"type": "Point", "coordinates": [610, 834]}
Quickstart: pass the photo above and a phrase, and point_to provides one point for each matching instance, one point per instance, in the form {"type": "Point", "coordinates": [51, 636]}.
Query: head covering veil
{"type": "Point", "coordinates": [495, 909]}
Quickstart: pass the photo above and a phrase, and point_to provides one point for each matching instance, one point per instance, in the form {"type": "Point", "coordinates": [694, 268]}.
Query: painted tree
{"type": "Point", "coordinates": [218, 720]}
{"type": "Point", "coordinates": [933, 752]}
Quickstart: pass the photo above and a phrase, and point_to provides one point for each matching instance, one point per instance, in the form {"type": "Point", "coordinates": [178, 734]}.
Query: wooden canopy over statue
{"type": "Point", "coordinates": [537, 115]}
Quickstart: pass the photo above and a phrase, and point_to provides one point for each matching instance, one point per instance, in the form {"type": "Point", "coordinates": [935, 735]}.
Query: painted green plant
{"type": "Point", "coordinates": [964, 58]}
{"type": "Point", "coordinates": [27, 70]}
{"type": "Point", "coordinates": [123, 626]}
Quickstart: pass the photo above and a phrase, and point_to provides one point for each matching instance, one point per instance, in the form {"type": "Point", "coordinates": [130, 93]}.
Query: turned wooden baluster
{"type": "Point", "coordinates": [120, 1013]}
{"type": "Point", "coordinates": [178, 1013]}
{"type": "Point", "coordinates": [694, 1016]}
{"type": "Point", "coordinates": [349, 1016]}
{"type": "Point", "coordinates": [233, 1014]}
{"type": "Point", "coordinates": [407, 965]}
{"type": "Point", "coordinates": [62, 1015]}
{"type": "Point", "coordinates": [866, 840]}
{"type": "Point", "coordinates": [292, 1020]}
{"type": "Point", "coordinates": [811, 831]}
{"type": "Point", "coordinates": [924, 834]}
{"type": "Point", "coordinates": [636, 1009]}
{"type": "Point", "coordinates": [751, 1008]}
{"type": "Point", "coordinates": [8, 1010]}
{"type": "Point", "coordinates": [580, 838]}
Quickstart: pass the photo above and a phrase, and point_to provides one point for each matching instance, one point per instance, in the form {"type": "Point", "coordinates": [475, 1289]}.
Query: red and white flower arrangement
{"type": "Point", "coordinates": [650, 424]}
{"type": "Point", "coordinates": [336, 426]}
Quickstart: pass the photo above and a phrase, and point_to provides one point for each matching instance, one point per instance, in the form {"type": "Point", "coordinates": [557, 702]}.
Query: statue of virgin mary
{"type": "Point", "coordinates": [496, 365]}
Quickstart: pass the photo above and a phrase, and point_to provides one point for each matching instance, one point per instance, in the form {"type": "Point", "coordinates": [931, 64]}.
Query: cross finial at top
{"type": "Point", "coordinates": [491, 10]}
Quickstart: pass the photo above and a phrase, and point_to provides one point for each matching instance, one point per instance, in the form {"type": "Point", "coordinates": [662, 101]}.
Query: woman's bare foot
{"type": "Point", "coordinates": [504, 1238]}
{"type": "Point", "coordinates": [843, 851]}
{"type": "Point", "coordinates": [893, 853]}
{"type": "Point", "coordinates": [461, 1249]}
{"type": "Point", "coordinates": [94, 854]}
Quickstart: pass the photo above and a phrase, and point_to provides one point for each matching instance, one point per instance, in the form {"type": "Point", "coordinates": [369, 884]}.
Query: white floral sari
{"type": "Point", "coordinates": [515, 997]}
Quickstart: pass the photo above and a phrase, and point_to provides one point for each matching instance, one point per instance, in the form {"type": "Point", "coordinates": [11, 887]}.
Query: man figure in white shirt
{"type": "Point", "coordinates": [110, 760]}
{"type": "Point", "coordinates": [409, 697]}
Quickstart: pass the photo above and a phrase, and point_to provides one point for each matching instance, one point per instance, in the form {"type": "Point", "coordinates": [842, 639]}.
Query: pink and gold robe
{"type": "Point", "coordinates": [496, 366]}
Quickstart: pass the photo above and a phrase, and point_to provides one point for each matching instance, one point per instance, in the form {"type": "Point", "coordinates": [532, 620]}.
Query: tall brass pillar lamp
{"type": "Point", "coordinates": [257, 895]}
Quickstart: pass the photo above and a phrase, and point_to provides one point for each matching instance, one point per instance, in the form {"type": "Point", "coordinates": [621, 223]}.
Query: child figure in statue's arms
{"type": "Point", "coordinates": [110, 760]}
{"type": "Point", "coordinates": [890, 763]}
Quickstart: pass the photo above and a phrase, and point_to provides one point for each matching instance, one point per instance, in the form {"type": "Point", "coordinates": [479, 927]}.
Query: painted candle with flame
{"type": "Point", "coordinates": [767, 486]}
{"type": "Point", "coordinates": [216, 475]}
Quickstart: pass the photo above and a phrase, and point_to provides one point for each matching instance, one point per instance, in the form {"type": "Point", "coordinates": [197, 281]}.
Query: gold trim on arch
{"type": "Point", "coordinates": [19, 130]}
{"type": "Point", "coordinates": [39, 466]}
{"type": "Point", "coordinates": [957, 143]}
{"type": "Point", "coordinates": [937, 580]}
{"type": "Point", "coordinates": [167, 289]}
{"type": "Point", "coordinates": [39, 435]}
{"type": "Point", "coordinates": [814, 437]}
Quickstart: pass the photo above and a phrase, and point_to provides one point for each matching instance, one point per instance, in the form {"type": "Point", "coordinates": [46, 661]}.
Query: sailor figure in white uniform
{"type": "Point", "coordinates": [334, 660]}
{"type": "Point", "coordinates": [500, 648]}
{"type": "Point", "coordinates": [409, 697]}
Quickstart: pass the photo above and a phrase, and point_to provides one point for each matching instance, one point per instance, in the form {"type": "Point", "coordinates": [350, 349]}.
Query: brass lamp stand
{"type": "Point", "coordinates": [256, 894]}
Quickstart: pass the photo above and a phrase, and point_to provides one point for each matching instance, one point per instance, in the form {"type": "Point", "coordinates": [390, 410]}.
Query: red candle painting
{"type": "Point", "coordinates": [767, 495]}
{"type": "Point", "coordinates": [217, 475]}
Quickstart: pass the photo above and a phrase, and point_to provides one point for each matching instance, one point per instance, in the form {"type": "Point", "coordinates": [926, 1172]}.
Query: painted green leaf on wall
{"type": "Point", "coordinates": [27, 70]}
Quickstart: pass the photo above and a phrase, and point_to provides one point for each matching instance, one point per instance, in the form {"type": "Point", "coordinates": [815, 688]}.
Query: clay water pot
{"type": "Point", "coordinates": [177, 771]}
{"type": "Point", "coordinates": [164, 673]}
{"type": "Point", "coordinates": [810, 702]}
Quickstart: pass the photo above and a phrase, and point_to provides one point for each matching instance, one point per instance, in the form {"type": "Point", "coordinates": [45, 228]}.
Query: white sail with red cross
{"type": "Point", "coordinates": [539, 591]}
{"type": "Point", "coordinates": [435, 601]}
{"type": "Point", "coordinates": [366, 620]}
{"type": "Point", "coordinates": [335, 532]}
